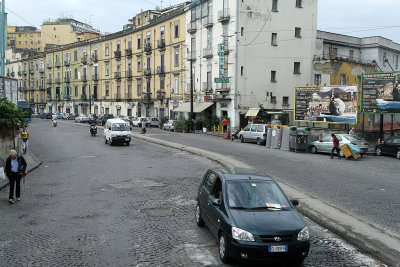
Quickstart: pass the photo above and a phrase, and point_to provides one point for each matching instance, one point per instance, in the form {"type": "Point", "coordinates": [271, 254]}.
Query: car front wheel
{"type": "Point", "coordinates": [398, 154]}
{"type": "Point", "coordinates": [199, 220]}
{"type": "Point", "coordinates": [378, 151]}
{"type": "Point", "coordinates": [242, 139]}
{"type": "Point", "coordinates": [223, 248]}
{"type": "Point", "coordinates": [313, 150]}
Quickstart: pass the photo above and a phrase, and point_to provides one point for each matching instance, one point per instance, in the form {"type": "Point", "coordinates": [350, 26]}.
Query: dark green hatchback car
{"type": "Point", "coordinates": [251, 217]}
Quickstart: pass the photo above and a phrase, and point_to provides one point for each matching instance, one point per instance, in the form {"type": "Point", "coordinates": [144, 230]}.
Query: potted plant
{"type": "Point", "coordinates": [179, 124]}
{"type": "Point", "coordinates": [162, 121]}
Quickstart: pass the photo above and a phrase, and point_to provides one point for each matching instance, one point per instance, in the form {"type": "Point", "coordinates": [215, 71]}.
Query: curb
{"type": "Point", "coordinates": [369, 239]}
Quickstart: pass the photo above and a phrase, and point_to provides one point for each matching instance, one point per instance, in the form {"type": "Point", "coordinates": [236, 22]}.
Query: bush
{"type": "Point", "coordinates": [163, 120]}
{"type": "Point", "coordinates": [180, 122]}
{"type": "Point", "coordinates": [10, 116]}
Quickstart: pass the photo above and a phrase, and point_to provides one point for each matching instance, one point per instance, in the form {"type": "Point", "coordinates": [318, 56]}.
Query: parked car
{"type": "Point", "coordinates": [82, 118]}
{"type": "Point", "coordinates": [138, 121]}
{"type": "Point", "coordinates": [46, 116]}
{"type": "Point", "coordinates": [36, 115]}
{"type": "Point", "coordinates": [104, 117]}
{"type": "Point", "coordinates": [389, 147]}
{"type": "Point", "coordinates": [325, 145]}
{"type": "Point", "coordinates": [65, 116]}
{"type": "Point", "coordinates": [72, 116]}
{"type": "Point", "coordinates": [60, 116]}
{"type": "Point", "coordinates": [254, 133]}
{"type": "Point", "coordinates": [251, 216]}
{"type": "Point", "coordinates": [128, 119]}
{"type": "Point", "coordinates": [169, 125]}
{"type": "Point", "coordinates": [153, 122]}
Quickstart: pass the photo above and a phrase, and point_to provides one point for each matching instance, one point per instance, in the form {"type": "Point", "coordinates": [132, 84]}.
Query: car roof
{"type": "Point", "coordinates": [116, 121]}
{"type": "Point", "coordinates": [232, 174]}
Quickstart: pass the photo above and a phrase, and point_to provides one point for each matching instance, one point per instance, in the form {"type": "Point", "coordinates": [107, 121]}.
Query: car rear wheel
{"type": "Point", "coordinates": [314, 149]}
{"type": "Point", "coordinates": [259, 142]}
{"type": "Point", "coordinates": [199, 220]}
{"type": "Point", "coordinates": [378, 151]}
{"type": "Point", "coordinates": [223, 248]}
{"type": "Point", "coordinates": [242, 139]}
{"type": "Point", "coordinates": [398, 154]}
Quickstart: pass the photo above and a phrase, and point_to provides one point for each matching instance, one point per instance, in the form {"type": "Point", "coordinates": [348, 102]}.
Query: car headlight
{"type": "Point", "coordinates": [242, 235]}
{"type": "Point", "coordinates": [303, 234]}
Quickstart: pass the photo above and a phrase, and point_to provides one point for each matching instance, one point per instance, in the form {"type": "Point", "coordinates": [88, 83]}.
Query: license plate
{"type": "Point", "coordinates": [126, 139]}
{"type": "Point", "coordinates": [277, 248]}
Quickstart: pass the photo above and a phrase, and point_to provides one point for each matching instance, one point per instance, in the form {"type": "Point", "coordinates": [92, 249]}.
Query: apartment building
{"type": "Point", "coordinates": [136, 72]}
{"type": "Point", "coordinates": [249, 54]}
{"type": "Point", "coordinates": [24, 37]}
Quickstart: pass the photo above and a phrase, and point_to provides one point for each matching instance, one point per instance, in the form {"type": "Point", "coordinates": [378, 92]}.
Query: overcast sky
{"type": "Point", "coordinates": [356, 17]}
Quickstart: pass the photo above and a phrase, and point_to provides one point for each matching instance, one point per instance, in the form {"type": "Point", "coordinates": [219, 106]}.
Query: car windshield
{"type": "Point", "coordinates": [120, 127]}
{"type": "Point", "coordinates": [255, 194]}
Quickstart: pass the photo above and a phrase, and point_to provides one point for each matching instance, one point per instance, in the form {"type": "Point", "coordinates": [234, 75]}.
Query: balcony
{"type": "Point", "coordinates": [41, 70]}
{"type": "Point", "coordinates": [58, 97]}
{"type": "Point", "coordinates": [161, 44]}
{"type": "Point", "coordinates": [161, 70]}
{"type": "Point", "coordinates": [95, 97]}
{"type": "Point", "coordinates": [67, 79]}
{"type": "Point", "coordinates": [41, 87]}
{"type": "Point", "coordinates": [48, 97]}
{"type": "Point", "coordinates": [128, 74]}
{"type": "Point", "coordinates": [83, 97]}
{"type": "Point", "coordinates": [223, 15]}
{"type": "Point", "coordinates": [226, 47]}
{"type": "Point", "coordinates": [117, 75]}
{"type": "Point", "coordinates": [58, 80]}
{"type": "Point", "coordinates": [58, 64]}
{"type": "Point", "coordinates": [207, 87]}
{"type": "Point", "coordinates": [12, 74]}
{"type": "Point", "coordinates": [147, 48]}
{"type": "Point", "coordinates": [117, 96]}
{"type": "Point", "coordinates": [67, 62]}
{"type": "Point", "coordinates": [95, 77]}
{"type": "Point", "coordinates": [128, 52]}
{"type": "Point", "coordinates": [117, 54]}
{"type": "Point", "coordinates": [24, 72]}
{"type": "Point", "coordinates": [19, 73]}
{"type": "Point", "coordinates": [207, 53]}
{"type": "Point", "coordinates": [95, 58]}
{"type": "Point", "coordinates": [147, 72]}
{"type": "Point", "coordinates": [129, 96]}
{"type": "Point", "coordinates": [223, 87]}
{"type": "Point", "coordinates": [160, 94]}
{"type": "Point", "coordinates": [191, 27]}
{"type": "Point", "coordinates": [191, 56]}
{"type": "Point", "coordinates": [49, 81]}
{"type": "Point", "coordinates": [208, 21]}
{"type": "Point", "coordinates": [49, 66]}
{"type": "Point", "coordinates": [67, 97]}
{"type": "Point", "coordinates": [84, 60]}
{"type": "Point", "coordinates": [83, 78]}
{"type": "Point", "coordinates": [31, 71]}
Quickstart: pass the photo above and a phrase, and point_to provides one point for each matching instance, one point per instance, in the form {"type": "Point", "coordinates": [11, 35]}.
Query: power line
{"type": "Point", "coordinates": [260, 29]}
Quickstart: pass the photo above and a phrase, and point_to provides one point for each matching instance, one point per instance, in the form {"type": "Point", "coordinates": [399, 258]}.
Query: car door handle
{"type": "Point", "coordinates": [219, 220]}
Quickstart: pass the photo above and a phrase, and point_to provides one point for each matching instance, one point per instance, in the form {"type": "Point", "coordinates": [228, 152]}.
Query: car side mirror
{"type": "Point", "coordinates": [294, 202]}
{"type": "Point", "coordinates": [216, 202]}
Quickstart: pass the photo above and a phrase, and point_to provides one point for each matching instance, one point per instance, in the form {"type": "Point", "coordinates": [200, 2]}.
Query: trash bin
{"type": "Point", "coordinates": [268, 142]}
{"type": "Point", "coordinates": [276, 137]}
{"type": "Point", "coordinates": [298, 140]}
{"type": "Point", "coordinates": [285, 138]}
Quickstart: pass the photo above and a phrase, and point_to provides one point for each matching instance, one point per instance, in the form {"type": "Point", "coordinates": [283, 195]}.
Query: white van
{"type": "Point", "coordinates": [117, 131]}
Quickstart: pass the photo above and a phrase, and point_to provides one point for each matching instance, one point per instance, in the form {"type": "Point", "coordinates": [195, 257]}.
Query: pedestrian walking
{"type": "Point", "coordinates": [25, 139]}
{"type": "Point", "coordinates": [15, 170]}
{"type": "Point", "coordinates": [225, 124]}
{"type": "Point", "coordinates": [335, 146]}
{"type": "Point", "coordinates": [352, 131]}
{"type": "Point", "coordinates": [143, 127]}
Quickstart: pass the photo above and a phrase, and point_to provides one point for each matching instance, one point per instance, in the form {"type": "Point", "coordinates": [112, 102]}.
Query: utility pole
{"type": "Point", "coordinates": [91, 78]}
{"type": "Point", "coordinates": [191, 89]}
{"type": "Point", "coordinates": [3, 37]}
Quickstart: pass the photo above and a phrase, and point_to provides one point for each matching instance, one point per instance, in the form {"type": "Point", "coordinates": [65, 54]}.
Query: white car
{"type": "Point", "coordinates": [153, 122]}
{"type": "Point", "coordinates": [169, 125]}
{"type": "Point", "coordinates": [117, 131]}
{"type": "Point", "coordinates": [138, 121]}
{"type": "Point", "coordinates": [82, 118]}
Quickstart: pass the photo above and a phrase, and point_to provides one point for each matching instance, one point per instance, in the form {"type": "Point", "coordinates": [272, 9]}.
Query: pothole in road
{"type": "Point", "coordinates": [136, 184]}
{"type": "Point", "coordinates": [158, 212]}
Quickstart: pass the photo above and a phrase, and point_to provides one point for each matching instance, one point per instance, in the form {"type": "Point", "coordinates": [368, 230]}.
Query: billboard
{"type": "Point", "coordinates": [326, 104]}
{"type": "Point", "coordinates": [380, 93]}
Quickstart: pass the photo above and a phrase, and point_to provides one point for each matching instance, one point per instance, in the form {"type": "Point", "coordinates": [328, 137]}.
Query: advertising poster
{"type": "Point", "coordinates": [380, 93]}
{"type": "Point", "coordinates": [326, 104]}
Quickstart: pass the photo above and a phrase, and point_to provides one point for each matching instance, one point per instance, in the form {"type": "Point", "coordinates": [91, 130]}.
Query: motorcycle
{"type": "Point", "coordinates": [235, 134]}
{"type": "Point", "coordinates": [93, 129]}
{"type": "Point", "coordinates": [54, 123]}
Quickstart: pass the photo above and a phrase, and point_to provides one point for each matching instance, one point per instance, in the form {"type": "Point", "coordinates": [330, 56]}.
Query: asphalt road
{"type": "Point", "coordinates": [367, 188]}
{"type": "Point", "coordinates": [90, 204]}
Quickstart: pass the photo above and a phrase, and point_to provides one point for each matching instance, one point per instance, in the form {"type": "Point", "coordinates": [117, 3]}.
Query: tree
{"type": "Point", "coordinates": [10, 116]}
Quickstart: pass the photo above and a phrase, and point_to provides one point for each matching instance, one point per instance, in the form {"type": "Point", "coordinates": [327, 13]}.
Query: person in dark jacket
{"type": "Point", "coordinates": [335, 146]}
{"type": "Point", "coordinates": [15, 170]}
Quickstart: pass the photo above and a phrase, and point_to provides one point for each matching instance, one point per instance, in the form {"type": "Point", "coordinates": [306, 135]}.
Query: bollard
{"type": "Point", "coordinates": [218, 130]}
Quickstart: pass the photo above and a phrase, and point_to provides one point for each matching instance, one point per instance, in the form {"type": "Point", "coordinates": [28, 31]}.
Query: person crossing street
{"type": "Point", "coordinates": [335, 146]}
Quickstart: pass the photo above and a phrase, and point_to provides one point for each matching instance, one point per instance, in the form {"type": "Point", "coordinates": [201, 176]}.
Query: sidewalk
{"type": "Point", "coordinates": [32, 163]}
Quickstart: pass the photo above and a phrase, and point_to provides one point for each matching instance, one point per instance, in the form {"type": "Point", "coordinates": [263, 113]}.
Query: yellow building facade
{"type": "Point", "coordinates": [135, 72]}
{"type": "Point", "coordinates": [24, 38]}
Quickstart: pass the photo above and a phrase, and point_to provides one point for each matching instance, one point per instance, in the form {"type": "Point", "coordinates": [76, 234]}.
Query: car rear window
{"type": "Point", "coordinates": [260, 129]}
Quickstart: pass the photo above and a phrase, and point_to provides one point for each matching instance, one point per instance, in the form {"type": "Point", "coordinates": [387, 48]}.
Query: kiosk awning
{"type": "Point", "coordinates": [197, 107]}
{"type": "Point", "coordinates": [252, 112]}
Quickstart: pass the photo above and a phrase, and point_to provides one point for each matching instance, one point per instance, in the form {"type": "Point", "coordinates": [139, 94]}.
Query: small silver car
{"type": "Point", "coordinates": [325, 145]}
{"type": "Point", "coordinates": [169, 125]}
{"type": "Point", "coordinates": [256, 133]}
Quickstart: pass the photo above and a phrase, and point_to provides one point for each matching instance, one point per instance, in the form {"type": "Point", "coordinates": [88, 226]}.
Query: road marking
{"type": "Point", "coordinates": [81, 157]}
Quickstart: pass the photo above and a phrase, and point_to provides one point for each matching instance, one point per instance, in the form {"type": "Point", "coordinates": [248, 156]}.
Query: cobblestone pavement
{"type": "Point", "coordinates": [90, 204]}
{"type": "Point", "coordinates": [367, 188]}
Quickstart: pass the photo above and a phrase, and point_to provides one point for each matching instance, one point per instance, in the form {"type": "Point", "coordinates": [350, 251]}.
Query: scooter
{"type": "Point", "coordinates": [235, 134]}
{"type": "Point", "coordinates": [93, 129]}
{"type": "Point", "coordinates": [54, 123]}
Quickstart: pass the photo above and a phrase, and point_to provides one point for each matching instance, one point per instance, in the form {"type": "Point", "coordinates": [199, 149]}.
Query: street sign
{"type": "Point", "coordinates": [221, 80]}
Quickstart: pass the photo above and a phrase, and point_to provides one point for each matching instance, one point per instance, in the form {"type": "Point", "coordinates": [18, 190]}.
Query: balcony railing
{"type": "Point", "coordinates": [128, 52]}
{"type": "Point", "coordinates": [84, 60]}
{"type": "Point", "coordinates": [117, 54]}
{"type": "Point", "coordinates": [58, 80]}
{"type": "Point", "coordinates": [95, 77]}
{"type": "Point", "coordinates": [128, 96]}
{"type": "Point", "coordinates": [67, 62]}
{"type": "Point", "coordinates": [48, 97]}
{"type": "Point", "coordinates": [24, 72]}
{"type": "Point", "coordinates": [49, 66]}
{"type": "Point", "coordinates": [161, 44]}
{"type": "Point", "coordinates": [83, 78]}
{"type": "Point", "coordinates": [147, 47]}
{"type": "Point", "coordinates": [117, 75]}
{"type": "Point", "coordinates": [147, 72]}
{"type": "Point", "coordinates": [191, 56]}
{"type": "Point", "coordinates": [58, 64]}
{"type": "Point", "coordinates": [117, 96]}
{"type": "Point", "coordinates": [160, 94]}
{"type": "Point", "coordinates": [19, 73]}
{"type": "Point", "coordinates": [67, 97]}
{"type": "Point", "coordinates": [161, 70]}
{"type": "Point", "coordinates": [207, 53]}
{"type": "Point", "coordinates": [67, 79]}
{"type": "Point", "coordinates": [208, 21]}
{"type": "Point", "coordinates": [31, 71]}
{"type": "Point", "coordinates": [191, 27]}
{"type": "Point", "coordinates": [223, 15]}
{"type": "Point", "coordinates": [128, 74]}
{"type": "Point", "coordinates": [223, 87]}
{"type": "Point", "coordinates": [41, 70]}
{"type": "Point", "coordinates": [95, 58]}
{"type": "Point", "coordinates": [41, 87]}
{"type": "Point", "coordinates": [49, 81]}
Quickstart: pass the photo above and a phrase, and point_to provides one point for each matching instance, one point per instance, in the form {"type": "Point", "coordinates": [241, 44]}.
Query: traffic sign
{"type": "Point", "coordinates": [221, 80]}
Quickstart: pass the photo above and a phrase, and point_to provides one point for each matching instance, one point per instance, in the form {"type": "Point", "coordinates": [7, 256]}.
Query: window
{"type": "Point", "coordinates": [139, 64]}
{"type": "Point", "coordinates": [384, 59]}
{"type": "Point", "coordinates": [254, 128]}
{"type": "Point", "coordinates": [273, 38]}
{"type": "Point", "coordinates": [273, 99]}
{"type": "Point", "coordinates": [351, 54]}
{"type": "Point", "coordinates": [176, 29]}
{"type": "Point", "coordinates": [162, 32]}
{"type": "Point", "coordinates": [76, 55]}
{"type": "Point", "coordinates": [107, 89]}
{"type": "Point", "coordinates": [273, 76]}
{"type": "Point", "coordinates": [139, 42]}
{"type": "Point", "coordinates": [397, 61]}
{"type": "Point", "coordinates": [148, 62]}
{"type": "Point", "coordinates": [76, 73]}
{"type": "Point", "coordinates": [285, 101]}
{"type": "Point", "coordinates": [241, 71]}
{"type": "Point", "coordinates": [275, 5]}
{"type": "Point", "coordinates": [107, 68]}
{"type": "Point", "coordinates": [176, 57]}
{"type": "Point", "coordinates": [297, 32]}
{"type": "Point", "coordinates": [130, 43]}
{"type": "Point", "coordinates": [176, 88]}
{"type": "Point", "coordinates": [317, 79]}
{"type": "Point", "coordinates": [209, 181]}
{"type": "Point", "coordinates": [343, 79]}
{"type": "Point", "coordinates": [118, 45]}
{"type": "Point", "coordinates": [299, 3]}
{"type": "Point", "coordinates": [296, 68]}
{"type": "Point", "coordinates": [76, 91]}
{"type": "Point", "coordinates": [241, 31]}
{"type": "Point", "coordinates": [107, 49]}
{"type": "Point", "coordinates": [139, 87]}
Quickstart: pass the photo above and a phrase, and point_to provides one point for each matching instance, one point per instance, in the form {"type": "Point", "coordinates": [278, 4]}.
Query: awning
{"type": "Point", "coordinates": [197, 107]}
{"type": "Point", "coordinates": [252, 112]}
